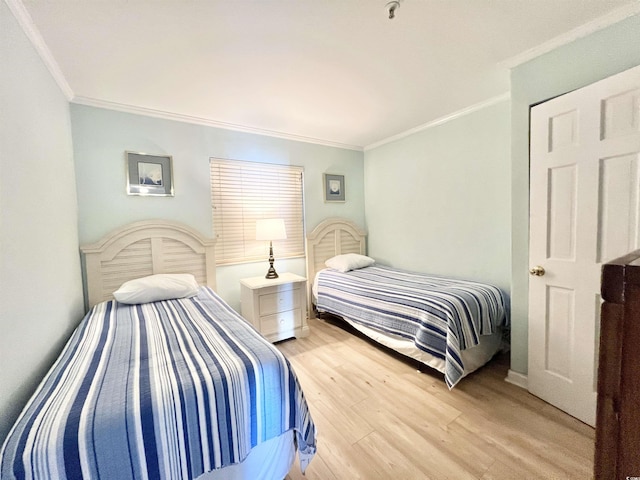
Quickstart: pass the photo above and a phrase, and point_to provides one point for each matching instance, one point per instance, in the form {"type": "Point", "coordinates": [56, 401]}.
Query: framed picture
{"type": "Point", "coordinates": [333, 188]}
{"type": "Point", "coordinates": [149, 174]}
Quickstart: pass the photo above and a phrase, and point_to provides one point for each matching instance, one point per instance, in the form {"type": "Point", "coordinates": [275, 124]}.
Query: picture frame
{"type": "Point", "coordinates": [149, 175]}
{"type": "Point", "coordinates": [334, 188]}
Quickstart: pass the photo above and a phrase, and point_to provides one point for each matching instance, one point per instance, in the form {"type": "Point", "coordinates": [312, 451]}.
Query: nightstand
{"type": "Point", "coordinates": [277, 307]}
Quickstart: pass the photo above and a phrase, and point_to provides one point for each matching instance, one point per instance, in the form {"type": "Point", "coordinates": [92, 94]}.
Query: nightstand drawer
{"type": "Point", "coordinates": [279, 302]}
{"type": "Point", "coordinates": [281, 322]}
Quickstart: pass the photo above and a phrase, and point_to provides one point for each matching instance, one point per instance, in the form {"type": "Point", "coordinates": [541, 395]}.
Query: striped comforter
{"type": "Point", "coordinates": [164, 390]}
{"type": "Point", "coordinates": [442, 316]}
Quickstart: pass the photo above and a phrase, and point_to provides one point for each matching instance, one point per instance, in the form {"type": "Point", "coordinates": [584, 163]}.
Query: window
{"type": "Point", "coordinates": [243, 192]}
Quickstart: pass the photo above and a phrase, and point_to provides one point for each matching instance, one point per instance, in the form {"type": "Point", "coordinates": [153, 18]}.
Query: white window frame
{"type": "Point", "coordinates": [243, 192]}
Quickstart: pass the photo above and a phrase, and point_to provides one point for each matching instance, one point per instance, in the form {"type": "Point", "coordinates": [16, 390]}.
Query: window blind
{"type": "Point", "coordinates": [242, 193]}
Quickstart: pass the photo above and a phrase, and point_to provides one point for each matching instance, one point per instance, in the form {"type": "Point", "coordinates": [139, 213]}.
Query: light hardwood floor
{"type": "Point", "coordinates": [377, 417]}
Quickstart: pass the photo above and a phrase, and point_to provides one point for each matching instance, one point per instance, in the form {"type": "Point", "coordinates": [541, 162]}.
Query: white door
{"type": "Point", "coordinates": [584, 211]}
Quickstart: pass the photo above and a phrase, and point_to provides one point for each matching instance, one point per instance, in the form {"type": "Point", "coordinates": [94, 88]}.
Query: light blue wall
{"type": "Point", "coordinates": [438, 201]}
{"type": "Point", "coordinates": [40, 282]}
{"type": "Point", "coordinates": [572, 66]}
{"type": "Point", "coordinates": [100, 138]}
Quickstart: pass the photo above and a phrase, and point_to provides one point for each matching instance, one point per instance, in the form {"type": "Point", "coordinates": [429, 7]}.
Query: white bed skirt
{"type": "Point", "coordinates": [472, 358]}
{"type": "Point", "coordinates": [271, 459]}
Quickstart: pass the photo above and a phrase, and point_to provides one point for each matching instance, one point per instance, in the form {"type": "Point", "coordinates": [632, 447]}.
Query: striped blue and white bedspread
{"type": "Point", "coordinates": [442, 316]}
{"type": "Point", "coordinates": [164, 390]}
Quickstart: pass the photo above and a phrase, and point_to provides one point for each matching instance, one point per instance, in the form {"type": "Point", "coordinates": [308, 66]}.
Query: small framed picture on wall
{"type": "Point", "coordinates": [149, 174]}
{"type": "Point", "coordinates": [333, 188]}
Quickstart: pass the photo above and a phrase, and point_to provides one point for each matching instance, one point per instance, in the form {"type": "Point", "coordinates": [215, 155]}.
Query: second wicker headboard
{"type": "Point", "coordinates": [333, 236]}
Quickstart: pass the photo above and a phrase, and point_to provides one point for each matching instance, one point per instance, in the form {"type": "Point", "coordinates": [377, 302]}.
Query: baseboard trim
{"type": "Point", "coordinates": [517, 379]}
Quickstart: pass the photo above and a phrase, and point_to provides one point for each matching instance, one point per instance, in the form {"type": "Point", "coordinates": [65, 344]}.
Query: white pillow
{"type": "Point", "coordinates": [349, 261]}
{"type": "Point", "coordinates": [162, 286]}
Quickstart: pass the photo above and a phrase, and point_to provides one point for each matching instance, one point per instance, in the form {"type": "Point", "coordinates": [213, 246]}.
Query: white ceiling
{"type": "Point", "coordinates": [334, 71]}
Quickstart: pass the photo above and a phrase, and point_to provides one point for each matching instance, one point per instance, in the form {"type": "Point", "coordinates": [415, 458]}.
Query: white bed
{"type": "Point", "coordinates": [158, 247]}
{"type": "Point", "coordinates": [336, 236]}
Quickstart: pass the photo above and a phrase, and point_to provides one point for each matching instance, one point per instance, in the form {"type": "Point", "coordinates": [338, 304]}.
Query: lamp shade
{"type": "Point", "coordinates": [270, 229]}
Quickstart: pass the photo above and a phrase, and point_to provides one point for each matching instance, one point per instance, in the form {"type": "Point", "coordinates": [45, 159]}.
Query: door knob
{"type": "Point", "coordinates": [538, 271]}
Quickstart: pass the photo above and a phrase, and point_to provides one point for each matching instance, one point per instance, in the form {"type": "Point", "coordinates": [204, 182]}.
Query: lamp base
{"type": "Point", "coordinates": [271, 273]}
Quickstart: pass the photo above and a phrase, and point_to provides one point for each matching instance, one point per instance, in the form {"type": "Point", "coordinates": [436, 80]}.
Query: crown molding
{"type": "Point", "coordinates": [150, 112]}
{"type": "Point", "coordinates": [439, 121]}
{"type": "Point", "coordinates": [26, 23]}
{"type": "Point", "coordinates": [584, 30]}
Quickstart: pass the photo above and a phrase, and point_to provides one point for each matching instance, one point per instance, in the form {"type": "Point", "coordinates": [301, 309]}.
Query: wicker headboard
{"type": "Point", "coordinates": [333, 236]}
{"type": "Point", "coordinates": [146, 248]}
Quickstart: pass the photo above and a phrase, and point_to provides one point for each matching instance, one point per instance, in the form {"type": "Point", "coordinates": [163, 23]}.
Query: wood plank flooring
{"type": "Point", "coordinates": [377, 417]}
